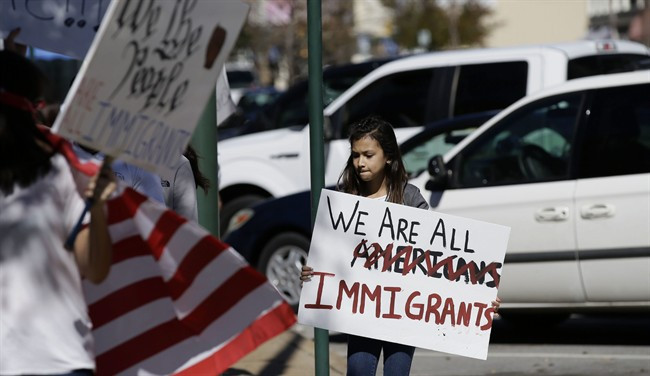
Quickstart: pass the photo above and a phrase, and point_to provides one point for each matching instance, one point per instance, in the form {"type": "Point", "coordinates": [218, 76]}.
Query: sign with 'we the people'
{"type": "Point", "coordinates": [148, 76]}
{"type": "Point", "coordinates": [403, 274]}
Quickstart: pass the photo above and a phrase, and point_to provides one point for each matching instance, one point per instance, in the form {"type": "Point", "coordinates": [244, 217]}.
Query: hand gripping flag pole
{"type": "Point", "coordinates": [69, 242]}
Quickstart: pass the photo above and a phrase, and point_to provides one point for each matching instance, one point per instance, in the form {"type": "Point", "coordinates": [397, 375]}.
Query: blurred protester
{"type": "Point", "coordinates": [44, 324]}
{"type": "Point", "coordinates": [180, 187]}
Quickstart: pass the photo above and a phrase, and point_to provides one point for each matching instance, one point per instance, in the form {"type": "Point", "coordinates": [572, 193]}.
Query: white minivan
{"type": "Point", "coordinates": [409, 92]}
{"type": "Point", "coordinates": [568, 169]}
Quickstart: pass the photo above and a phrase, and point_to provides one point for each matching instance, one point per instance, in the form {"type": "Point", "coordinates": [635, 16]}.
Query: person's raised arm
{"type": "Point", "coordinates": [93, 248]}
{"type": "Point", "coordinates": [11, 45]}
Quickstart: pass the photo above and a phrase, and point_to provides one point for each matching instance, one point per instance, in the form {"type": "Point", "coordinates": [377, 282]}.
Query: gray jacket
{"type": "Point", "coordinates": [413, 197]}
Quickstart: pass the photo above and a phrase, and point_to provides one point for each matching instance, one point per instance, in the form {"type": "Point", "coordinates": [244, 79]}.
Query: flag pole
{"type": "Point", "coordinates": [316, 147]}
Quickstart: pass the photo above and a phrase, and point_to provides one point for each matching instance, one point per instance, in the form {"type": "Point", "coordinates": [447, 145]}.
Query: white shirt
{"type": "Point", "coordinates": [132, 176]}
{"type": "Point", "coordinates": [180, 190]}
{"type": "Point", "coordinates": [44, 324]}
{"type": "Point", "coordinates": [139, 179]}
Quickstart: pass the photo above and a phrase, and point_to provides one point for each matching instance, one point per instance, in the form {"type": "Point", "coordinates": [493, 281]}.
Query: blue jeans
{"type": "Point", "coordinates": [363, 356]}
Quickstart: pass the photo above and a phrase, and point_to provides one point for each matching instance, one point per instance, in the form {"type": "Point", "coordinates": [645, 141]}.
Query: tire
{"type": "Point", "coordinates": [233, 206]}
{"type": "Point", "coordinates": [281, 261]}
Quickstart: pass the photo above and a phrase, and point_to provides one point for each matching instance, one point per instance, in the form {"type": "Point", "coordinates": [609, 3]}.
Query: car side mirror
{"type": "Point", "coordinates": [439, 174]}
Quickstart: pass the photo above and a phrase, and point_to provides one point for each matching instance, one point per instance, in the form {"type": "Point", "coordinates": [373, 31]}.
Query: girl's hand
{"type": "Point", "coordinates": [102, 185]}
{"type": "Point", "coordinates": [495, 305]}
{"type": "Point", "coordinates": [306, 273]}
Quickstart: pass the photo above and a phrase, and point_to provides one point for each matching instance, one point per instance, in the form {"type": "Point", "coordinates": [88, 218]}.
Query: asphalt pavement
{"type": "Point", "coordinates": [585, 345]}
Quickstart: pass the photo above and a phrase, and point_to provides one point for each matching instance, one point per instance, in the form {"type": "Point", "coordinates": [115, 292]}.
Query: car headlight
{"type": "Point", "coordinates": [239, 219]}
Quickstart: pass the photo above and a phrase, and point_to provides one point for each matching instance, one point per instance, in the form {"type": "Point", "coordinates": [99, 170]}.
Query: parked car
{"type": "Point", "coordinates": [409, 92]}
{"type": "Point", "coordinates": [241, 77]}
{"type": "Point", "coordinates": [253, 101]}
{"type": "Point", "coordinates": [274, 235]}
{"type": "Point", "coordinates": [568, 169]}
{"type": "Point", "coordinates": [291, 107]}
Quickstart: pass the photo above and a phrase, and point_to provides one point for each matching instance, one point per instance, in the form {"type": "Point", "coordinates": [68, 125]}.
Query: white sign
{"type": "Point", "coordinates": [225, 105]}
{"type": "Point", "coordinates": [148, 76]}
{"type": "Point", "coordinates": [403, 274]}
{"type": "Point", "coordinates": [63, 26]}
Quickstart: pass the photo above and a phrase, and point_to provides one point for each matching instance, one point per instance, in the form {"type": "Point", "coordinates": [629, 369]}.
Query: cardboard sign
{"type": "Point", "coordinates": [148, 76]}
{"type": "Point", "coordinates": [63, 26]}
{"type": "Point", "coordinates": [403, 274]}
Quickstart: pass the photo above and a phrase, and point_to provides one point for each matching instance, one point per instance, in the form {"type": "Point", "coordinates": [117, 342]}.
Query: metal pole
{"type": "Point", "coordinates": [316, 147]}
{"type": "Point", "coordinates": [204, 142]}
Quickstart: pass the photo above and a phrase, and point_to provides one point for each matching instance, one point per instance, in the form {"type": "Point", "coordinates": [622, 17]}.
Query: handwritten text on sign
{"type": "Point", "coordinates": [148, 76]}
{"type": "Point", "coordinates": [403, 274]}
{"type": "Point", "coordinates": [63, 26]}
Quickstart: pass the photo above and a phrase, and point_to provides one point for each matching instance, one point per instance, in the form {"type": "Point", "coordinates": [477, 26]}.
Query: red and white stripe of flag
{"type": "Point", "coordinates": [177, 300]}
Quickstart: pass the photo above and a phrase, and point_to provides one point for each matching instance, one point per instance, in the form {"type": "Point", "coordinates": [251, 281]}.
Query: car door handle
{"type": "Point", "coordinates": [285, 155]}
{"type": "Point", "coordinates": [597, 211]}
{"type": "Point", "coordinates": [554, 214]}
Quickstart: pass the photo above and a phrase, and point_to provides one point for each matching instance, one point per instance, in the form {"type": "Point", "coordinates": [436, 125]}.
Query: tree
{"type": "Point", "coordinates": [472, 27]}
{"type": "Point", "coordinates": [289, 38]}
{"type": "Point", "coordinates": [413, 16]}
{"type": "Point", "coordinates": [459, 23]}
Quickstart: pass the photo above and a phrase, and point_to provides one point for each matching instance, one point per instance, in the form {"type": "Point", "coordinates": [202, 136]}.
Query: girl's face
{"type": "Point", "coordinates": [368, 159]}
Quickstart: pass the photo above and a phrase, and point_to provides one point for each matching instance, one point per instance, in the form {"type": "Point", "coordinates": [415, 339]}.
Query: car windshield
{"type": "Point", "coordinates": [291, 108]}
{"type": "Point", "coordinates": [439, 138]}
{"type": "Point", "coordinates": [416, 160]}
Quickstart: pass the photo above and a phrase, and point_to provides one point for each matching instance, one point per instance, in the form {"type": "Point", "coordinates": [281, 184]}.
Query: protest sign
{"type": "Point", "coordinates": [225, 105]}
{"type": "Point", "coordinates": [63, 26]}
{"type": "Point", "coordinates": [403, 274]}
{"type": "Point", "coordinates": [148, 76]}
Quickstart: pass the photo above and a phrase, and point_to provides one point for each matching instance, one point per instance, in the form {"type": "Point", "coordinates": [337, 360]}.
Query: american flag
{"type": "Point", "coordinates": [177, 300]}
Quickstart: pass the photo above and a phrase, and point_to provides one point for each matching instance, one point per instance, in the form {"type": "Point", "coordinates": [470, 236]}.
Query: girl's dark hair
{"type": "Point", "coordinates": [381, 131]}
{"type": "Point", "coordinates": [199, 178]}
{"type": "Point", "coordinates": [22, 159]}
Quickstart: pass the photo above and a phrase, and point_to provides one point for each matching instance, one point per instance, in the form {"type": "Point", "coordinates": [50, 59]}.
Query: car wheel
{"type": "Point", "coordinates": [281, 262]}
{"type": "Point", "coordinates": [233, 206]}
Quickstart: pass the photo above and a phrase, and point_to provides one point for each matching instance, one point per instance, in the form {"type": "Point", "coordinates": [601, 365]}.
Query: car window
{"type": "Point", "coordinates": [400, 98]}
{"type": "Point", "coordinates": [604, 64]}
{"type": "Point", "coordinates": [417, 159]}
{"type": "Point", "coordinates": [617, 136]}
{"type": "Point", "coordinates": [533, 144]}
{"type": "Point", "coordinates": [293, 111]}
{"type": "Point", "coordinates": [238, 79]}
{"type": "Point", "coordinates": [335, 86]}
{"type": "Point", "coordinates": [294, 108]}
{"type": "Point", "coordinates": [482, 87]}
{"type": "Point", "coordinates": [256, 100]}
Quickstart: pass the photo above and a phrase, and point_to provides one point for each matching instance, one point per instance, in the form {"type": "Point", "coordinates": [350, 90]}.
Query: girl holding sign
{"type": "Point", "coordinates": [375, 170]}
{"type": "Point", "coordinates": [44, 324]}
